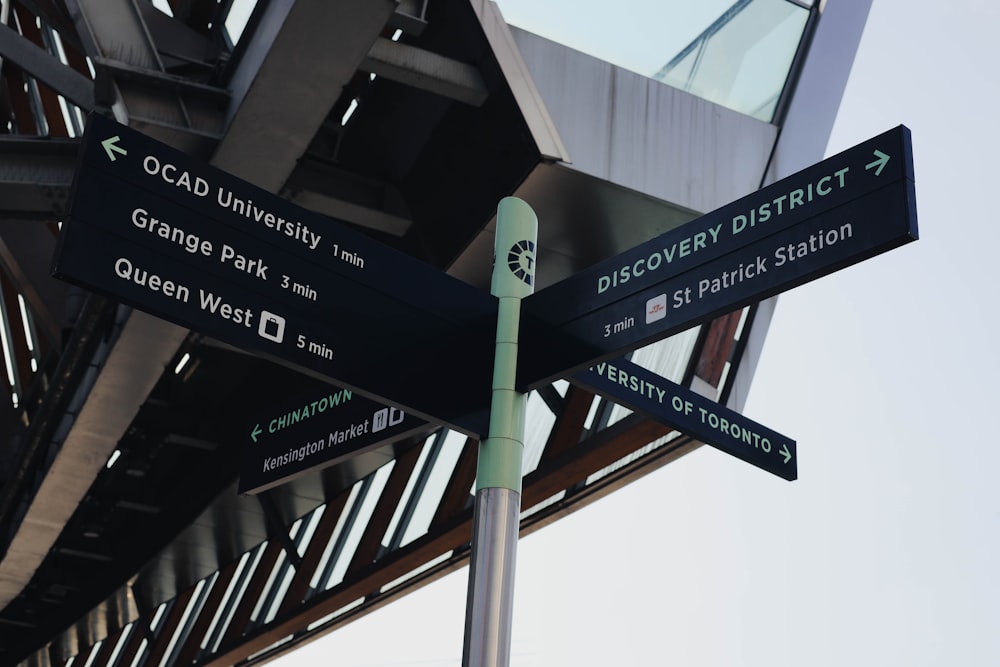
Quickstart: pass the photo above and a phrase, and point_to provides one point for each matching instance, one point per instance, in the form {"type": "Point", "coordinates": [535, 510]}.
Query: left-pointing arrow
{"type": "Point", "coordinates": [257, 430]}
{"type": "Point", "coordinates": [111, 148]}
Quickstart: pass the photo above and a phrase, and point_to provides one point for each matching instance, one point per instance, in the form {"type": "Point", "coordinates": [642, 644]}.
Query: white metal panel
{"type": "Point", "coordinates": [643, 134]}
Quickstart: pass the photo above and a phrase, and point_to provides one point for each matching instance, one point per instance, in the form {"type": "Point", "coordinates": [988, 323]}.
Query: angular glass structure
{"type": "Point", "coordinates": [744, 60]}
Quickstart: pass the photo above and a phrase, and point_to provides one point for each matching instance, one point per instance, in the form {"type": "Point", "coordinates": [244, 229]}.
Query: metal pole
{"type": "Point", "coordinates": [498, 478]}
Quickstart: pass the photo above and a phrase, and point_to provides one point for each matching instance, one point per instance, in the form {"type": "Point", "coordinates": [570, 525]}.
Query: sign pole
{"type": "Point", "coordinates": [489, 606]}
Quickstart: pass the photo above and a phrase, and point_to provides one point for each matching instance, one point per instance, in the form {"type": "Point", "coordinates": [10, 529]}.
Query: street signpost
{"type": "Point", "coordinates": [178, 238]}
{"type": "Point", "coordinates": [315, 431]}
{"type": "Point", "coordinates": [848, 208]}
{"type": "Point", "coordinates": [175, 237]}
{"type": "Point", "coordinates": [497, 508]}
{"type": "Point", "coordinates": [642, 390]}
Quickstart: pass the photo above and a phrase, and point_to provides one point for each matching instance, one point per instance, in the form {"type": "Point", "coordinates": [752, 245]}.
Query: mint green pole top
{"type": "Point", "coordinates": [513, 279]}
{"type": "Point", "coordinates": [514, 249]}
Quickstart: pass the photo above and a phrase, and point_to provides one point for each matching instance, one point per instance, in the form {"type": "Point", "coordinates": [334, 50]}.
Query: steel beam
{"type": "Point", "coordinates": [45, 67]}
{"type": "Point", "coordinates": [428, 71]}
{"type": "Point", "coordinates": [132, 79]}
{"type": "Point", "coordinates": [35, 176]}
{"type": "Point", "coordinates": [288, 80]}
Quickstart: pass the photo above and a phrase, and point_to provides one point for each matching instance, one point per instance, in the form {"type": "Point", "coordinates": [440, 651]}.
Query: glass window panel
{"type": "Point", "coordinates": [639, 35]}
{"type": "Point", "coordinates": [634, 456]}
{"type": "Point", "coordinates": [742, 61]}
{"type": "Point", "coordinates": [397, 515]}
{"type": "Point", "coordinates": [310, 522]}
{"type": "Point", "coordinates": [432, 563]}
{"type": "Point", "coordinates": [534, 509]}
{"type": "Point", "coordinates": [94, 650]}
{"type": "Point", "coordinates": [538, 424]}
{"type": "Point", "coordinates": [332, 615]}
{"type": "Point", "coordinates": [618, 413]}
{"type": "Point", "coordinates": [140, 655]}
{"type": "Point", "coordinates": [669, 357]}
{"type": "Point", "coordinates": [595, 404]}
{"type": "Point", "coordinates": [272, 578]}
{"type": "Point", "coordinates": [238, 17]}
{"type": "Point", "coordinates": [264, 651]}
{"type": "Point", "coordinates": [164, 7]}
{"type": "Point", "coordinates": [317, 577]}
{"type": "Point", "coordinates": [158, 616]}
{"type": "Point", "coordinates": [357, 530]}
{"type": "Point", "coordinates": [120, 644]}
{"type": "Point", "coordinates": [194, 603]}
{"type": "Point", "coordinates": [279, 595]}
{"type": "Point", "coordinates": [237, 587]}
{"type": "Point", "coordinates": [454, 443]}
{"type": "Point", "coordinates": [737, 55]}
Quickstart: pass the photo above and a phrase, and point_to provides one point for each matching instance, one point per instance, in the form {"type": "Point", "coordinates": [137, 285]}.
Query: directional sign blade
{"type": "Point", "coordinates": [211, 194]}
{"type": "Point", "coordinates": [317, 431]}
{"type": "Point", "coordinates": [824, 218]}
{"type": "Point", "coordinates": [640, 389]}
{"type": "Point", "coordinates": [175, 237]}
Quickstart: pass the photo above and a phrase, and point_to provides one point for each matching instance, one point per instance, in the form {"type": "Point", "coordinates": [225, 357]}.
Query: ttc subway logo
{"type": "Point", "coordinates": [521, 261]}
{"type": "Point", "coordinates": [656, 308]}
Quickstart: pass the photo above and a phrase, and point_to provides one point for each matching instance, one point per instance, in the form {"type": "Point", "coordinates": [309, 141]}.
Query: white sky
{"type": "Point", "coordinates": [886, 551]}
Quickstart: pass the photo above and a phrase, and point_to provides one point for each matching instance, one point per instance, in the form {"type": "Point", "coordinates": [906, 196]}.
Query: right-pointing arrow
{"type": "Point", "coordinates": [879, 163]}
{"type": "Point", "coordinates": [785, 453]}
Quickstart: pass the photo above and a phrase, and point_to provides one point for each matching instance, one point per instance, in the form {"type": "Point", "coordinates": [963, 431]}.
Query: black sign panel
{"type": "Point", "coordinates": [175, 237]}
{"type": "Point", "coordinates": [841, 211]}
{"type": "Point", "coordinates": [189, 243]}
{"type": "Point", "coordinates": [211, 194]}
{"type": "Point", "coordinates": [642, 390]}
{"type": "Point", "coordinates": [317, 430]}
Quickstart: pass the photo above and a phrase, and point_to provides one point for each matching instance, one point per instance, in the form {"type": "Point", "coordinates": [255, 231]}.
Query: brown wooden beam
{"type": "Point", "coordinates": [717, 342]}
{"type": "Point", "coordinates": [132, 644]}
{"type": "Point", "coordinates": [107, 648]}
{"type": "Point", "coordinates": [391, 567]}
{"type": "Point", "coordinates": [208, 611]}
{"type": "Point", "coordinates": [594, 454]}
{"type": "Point", "coordinates": [566, 432]}
{"type": "Point", "coordinates": [241, 619]}
{"type": "Point", "coordinates": [169, 626]}
{"type": "Point", "coordinates": [575, 465]}
{"type": "Point", "coordinates": [456, 494]}
{"type": "Point", "coordinates": [299, 587]}
{"type": "Point", "coordinates": [388, 500]}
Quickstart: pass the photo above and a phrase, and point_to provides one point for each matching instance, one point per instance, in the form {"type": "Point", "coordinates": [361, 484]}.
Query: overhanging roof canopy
{"type": "Point", "coordinates": [149, 553]}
